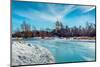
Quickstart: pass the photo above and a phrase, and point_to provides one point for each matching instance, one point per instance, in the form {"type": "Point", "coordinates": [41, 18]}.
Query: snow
{"type": "Point", "coordinates": [25, 54]}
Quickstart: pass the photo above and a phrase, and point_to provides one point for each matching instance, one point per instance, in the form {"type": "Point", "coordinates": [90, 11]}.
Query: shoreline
{"type": "Point", "coordinates": [57, 38]}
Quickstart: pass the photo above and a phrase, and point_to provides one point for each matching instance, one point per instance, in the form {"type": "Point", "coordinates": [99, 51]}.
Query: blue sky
{"type": "Point", "coordinates": [44, 15]}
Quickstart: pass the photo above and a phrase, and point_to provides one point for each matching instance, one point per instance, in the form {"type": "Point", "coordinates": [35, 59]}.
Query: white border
{"type": "Point", "coordinates": [5, 33]}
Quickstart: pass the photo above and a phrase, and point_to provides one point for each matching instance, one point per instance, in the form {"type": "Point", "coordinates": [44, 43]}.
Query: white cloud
{"type": "Point", "coordinates": [62, 10]}
{"type": "Point", "coordinates": [87, 8]}
{"type": "Point", "coordinates": [36, 14]}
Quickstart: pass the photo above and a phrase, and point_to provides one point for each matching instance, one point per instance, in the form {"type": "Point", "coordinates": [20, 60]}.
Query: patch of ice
{"type": "Point", "coordinates": [88, 59]}
{"type": "Point", "coordinates": [25, 54]}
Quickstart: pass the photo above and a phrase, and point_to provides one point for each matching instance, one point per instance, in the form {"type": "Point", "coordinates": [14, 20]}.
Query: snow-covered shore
{"type": "Point", "coordinates": [55, 38]}
{"type": "Point", "coordinates": [25, 54]}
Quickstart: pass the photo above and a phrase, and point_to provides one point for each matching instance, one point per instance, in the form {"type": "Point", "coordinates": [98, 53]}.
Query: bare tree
{"type": "Point", "coordinates": [25, 27]}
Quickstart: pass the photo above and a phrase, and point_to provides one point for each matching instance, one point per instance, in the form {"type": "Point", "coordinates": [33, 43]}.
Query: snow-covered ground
{"type": "Point", "coordinates": [25, 54]}
{"type": "Point", "coordinates": [56, 50]}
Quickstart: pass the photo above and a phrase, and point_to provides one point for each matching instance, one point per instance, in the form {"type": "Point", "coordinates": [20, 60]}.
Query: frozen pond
{"type": "Point", "coordinates": [67, 50]}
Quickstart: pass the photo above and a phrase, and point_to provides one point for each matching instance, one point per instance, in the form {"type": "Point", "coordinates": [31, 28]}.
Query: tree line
{"type": "Point", "coordinates": [27, 30]}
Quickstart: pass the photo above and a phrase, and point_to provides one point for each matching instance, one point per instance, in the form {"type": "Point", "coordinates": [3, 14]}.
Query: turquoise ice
{"type": "Point", "coordinates": [68, 50]}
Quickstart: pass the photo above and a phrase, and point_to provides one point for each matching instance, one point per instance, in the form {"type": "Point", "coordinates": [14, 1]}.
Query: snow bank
{"type": "Point", "coordinates": [25, 54]}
